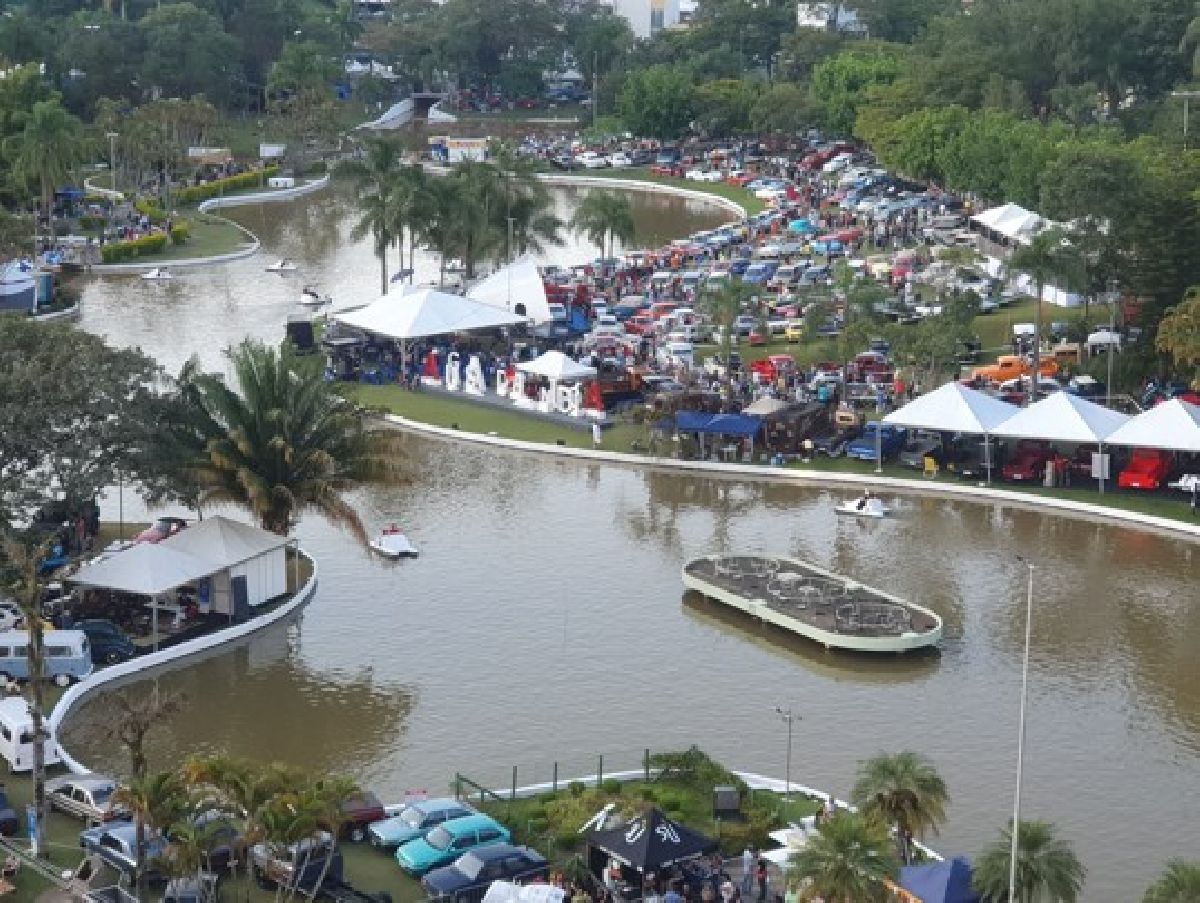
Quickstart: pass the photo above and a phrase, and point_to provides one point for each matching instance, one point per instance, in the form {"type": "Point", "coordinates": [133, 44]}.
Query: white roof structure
{"type": "Point", "coordinates": [425, 312]}
{"type": "Point", "coordinates": [516, 285]}
{"type": "Point", "coordinates": [1173, 425]}
{"type": "Point", "coordinates": [556, 366]}
{"type": "Point", "coordinates": [954, 408]}
{"type": "Point", "coordinates": [146, 570]}
{"type": "Point", "coordinates": [224, 542]}
{"type": "Point", "coordinates": [1063, 417]}
{"type": "Point", "coordinates": [1012, 221]}
{"type": "Point", "coordinates": [765, 407]}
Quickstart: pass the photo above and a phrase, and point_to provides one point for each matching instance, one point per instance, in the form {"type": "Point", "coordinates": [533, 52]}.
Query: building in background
{"type": "Point", "coordinates": [647, 18]}
{"type": "Point", "coordinates": [828, 17]}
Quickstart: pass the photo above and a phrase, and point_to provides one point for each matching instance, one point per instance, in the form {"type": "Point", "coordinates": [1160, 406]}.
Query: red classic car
{"type": "Point", "coordinates": [1028, 463]}
{"type": "Point", "coordinates": [1147, 469]}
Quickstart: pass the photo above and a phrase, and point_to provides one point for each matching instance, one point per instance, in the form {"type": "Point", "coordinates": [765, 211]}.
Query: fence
{"type": "Point", "coordinates": [552, 776]}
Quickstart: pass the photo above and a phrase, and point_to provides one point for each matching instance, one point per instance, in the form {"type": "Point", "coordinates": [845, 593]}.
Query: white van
{"type": "Point", "coordinates": [68, 655]}
{"type": "Point", "coordinates": [677, 354]}
{"type": "Point", "coordinates": [16, 735]}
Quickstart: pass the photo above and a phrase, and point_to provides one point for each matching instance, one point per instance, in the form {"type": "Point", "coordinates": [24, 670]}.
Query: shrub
{"type": "Point", "coordinates": [149, 207]}
{"type": "Point", "coordinates": [118, 251]}
{"type": "Point", "coordinates": [87, 221]}
{"type": "Point", "coordinates": [612, 785]}
{"type": "Point", "coordinates": [180, 232]}
{"type": "Point", "coordinates": [576, 788]}
{"type": "Point", "coordinates": [194, 194]}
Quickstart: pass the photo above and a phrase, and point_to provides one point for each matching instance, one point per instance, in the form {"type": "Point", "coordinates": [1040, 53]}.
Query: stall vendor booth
{"type": "Point", "coordinates": [558, 380]}
{"type": "Point", "coordinates": [650, 843]}
{"type": "Point", "coordinates": [734, 433]}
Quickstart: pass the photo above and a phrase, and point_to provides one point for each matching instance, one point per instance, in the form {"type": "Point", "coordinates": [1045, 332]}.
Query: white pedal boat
{"type": "Point", "coordinates": [858, 508]}
{"type": "Point", "coordinates": [391, 543]}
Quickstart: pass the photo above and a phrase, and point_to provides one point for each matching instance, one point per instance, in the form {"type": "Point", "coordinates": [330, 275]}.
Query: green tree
{"type": "Point", "coordinates": [46, 151]}
{"type": "Point", "coordinates": [839, 83]}
{"type": "Point", "coordinates": [1179, 336]}
{"type": "Point", "coordinates": [905, 791]}
{"type": "Point", "coordinates": [782, 108]}
{"type": "Point", "coordinates": [284, 441]}
{"type": "Point", "coordinates": [1179, 884]}
{"type": "Point", "coordinates": [849, 860]}
{"type": "Point", "coordinates": [187, 52]}
{"type": "Point", "coordinates": [154, 800]}
{"type": "Point", "coordinates": [658, 102]}
{"type": "Point", "coordinates": [604, 217]}
{"type": "Point", "coordinates": [1048, 259]}
{"type": "Point", "coordinates": [376, 178]}
{"type": "Point", "coordinates": [723, 107]}
{"type": "Point", "coordinates": [1047, 868]}
{"type": "Point", "coordinates": [722, 305]}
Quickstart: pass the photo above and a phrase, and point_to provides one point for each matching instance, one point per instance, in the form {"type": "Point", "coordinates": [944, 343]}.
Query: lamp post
{"type": "Point", "coordinates": [112, 158]}
{"type": "Point", "coordinates": [1187, 97]}
{"type": "Point", "coordinates": [1016, 823]}
{"type": "Point", "coordinates": [789, 717]}
{"type": "Point", "coordinates": [1112, 329]}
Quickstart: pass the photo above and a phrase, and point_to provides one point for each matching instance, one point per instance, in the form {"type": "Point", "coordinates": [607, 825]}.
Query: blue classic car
{"type": "Point", "coordinates": [448, 841]}
{"type": "Point", "coordinates": [891, 439]}
{"type": "Point", "coordinates": [415, 820]}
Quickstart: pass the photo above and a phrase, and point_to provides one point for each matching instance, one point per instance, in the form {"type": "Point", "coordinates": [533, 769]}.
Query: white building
{"type": "Point", "coordinates": [648, 17]}
{"type": "Point", "coordinates": [828, 17]}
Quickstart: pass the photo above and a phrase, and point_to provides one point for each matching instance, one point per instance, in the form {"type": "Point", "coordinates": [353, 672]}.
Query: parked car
{"type": "Point", "coordinates": [109, 644]}
{"type": "Point", "coordinates": [360, 811]}
{"type": "Point", "coordinates": [620, 159]}
{"type": "Point", "coordinates": [448, 841]}
{"type": "Point", "coordinates": [86, 796]}
{"type": "Point", "coordinates": [591, 160]}
{"type": "Point", "coordinates": [415, 820]}
{"type": "Point", "coordinates": [468, 879]}
{"type": "Point", "coordinates": [161, 529]}
{"type": "Point", "coordinates": [1147, 469]}
{"type": "Point", "coordinates": [116, 845]}
{"type": "Point", "coordinates": [11, 615]}
{"type": "Point", "coordinates": [794, 331]}
{"type": "Point", "coordinates": [298, 866]}
{"type": "Point", "coordinates": [9, 823]}
{"type": "Point", "coordinates": [919, 446]}
{"type": "Point", "coordinates": [890, 440]}
{"type": "Point", "coordinates": [1028, 462]}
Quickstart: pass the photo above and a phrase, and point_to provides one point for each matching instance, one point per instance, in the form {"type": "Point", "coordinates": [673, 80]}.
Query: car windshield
{"type": "Point", "coordinates": [101, 795]}
{"type": "Point", "coordinates": [412, 817]}
{"type": "Point", "coordinates": [470, 865]}
{"type": "Point", "coordinates": [439, 839]}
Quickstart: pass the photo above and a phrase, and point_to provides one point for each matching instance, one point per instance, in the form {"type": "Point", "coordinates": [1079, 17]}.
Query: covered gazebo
{"type": "Point", "coordinates": [954, 408]}
{"type": "Point", "coordinates": [648, 843]}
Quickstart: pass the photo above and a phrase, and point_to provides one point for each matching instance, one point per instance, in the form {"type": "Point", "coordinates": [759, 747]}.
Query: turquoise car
{"type": "Point", "coordinates": [415, 820]}
{"type": "Point", "coordinates": [448, 841]}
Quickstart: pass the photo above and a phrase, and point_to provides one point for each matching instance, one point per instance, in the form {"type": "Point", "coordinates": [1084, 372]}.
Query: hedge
{"type": "Point", "coordinates": [149, 207]}
{"type": "Point", "coordinates": [196, 193]}
{"type": "Point", "coordinates": [115, 252]}
{"type": "Point", "coordinates": [180, 233]}
{"type": "Point", "coordinates": [88, 221]}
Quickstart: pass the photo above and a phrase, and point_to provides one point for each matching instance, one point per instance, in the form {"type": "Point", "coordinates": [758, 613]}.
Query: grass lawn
{"type": "Point", "coordinates": [729, 192]}
{"type": "Point", "coordinates": [209, 237]}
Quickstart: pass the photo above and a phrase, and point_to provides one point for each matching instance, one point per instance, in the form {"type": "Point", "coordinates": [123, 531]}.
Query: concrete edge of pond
{"type": "Point", "coordinates": [135, 667]}
{"type": "Point", "coordinates": [818, 478]}
{"type": "Point", "coordinates": [583, 181]}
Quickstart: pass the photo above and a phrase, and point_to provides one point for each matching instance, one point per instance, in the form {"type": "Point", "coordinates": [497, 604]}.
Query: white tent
{"type": "Point", "coordinates": [766, 407]}
{"type": "Point", "coordinates": [1011, 221]}
{"type": "Point", "coordinates": [517, 287]}
{"type": "Point", "coordinates": [425, 312]}
{"type": "Point", "coordinates": [557, 367]}
{"type": "Point", "coordinates": [1173, 425]}
{"type": "Point", "coordinates": [145, 569]}
{"type": "Point", "coordinates": [953, 408]}
{"type": "Point", "coordinates": [1063, 417]}
{"type": "Point", "coordinates": [237, 550]}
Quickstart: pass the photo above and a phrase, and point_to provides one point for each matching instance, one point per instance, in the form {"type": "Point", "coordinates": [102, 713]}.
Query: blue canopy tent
{"type": "Point", "coordinates": [803, 226]}
{"type": "Point", "coordinates": [940, 882]}
{"type": "Point", "coordinates": [742, 426]}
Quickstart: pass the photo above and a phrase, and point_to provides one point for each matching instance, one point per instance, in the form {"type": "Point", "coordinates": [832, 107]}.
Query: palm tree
{"type": "Point", "coordinates": [1179, 884]}
{"type": "Point", "coordinates": [1047, 867]}
{"type": "Point", "coordinates": [850, 860]}
{"type": "Point", "coordinates": [904, 790]}
{"type": "Point", "coordinates": [46, 150]}
{"type": "Point", "coordinates": [604, 216]}
{"type": "Point", "coordinates": [1049, 258]}
{"type": "Point", "coordinates": [157, 800]}
{"type": "Point", "coordinates": [285, 441]}
{"type": "Point", "coordinates": [375, 177]}
{"type": "Point", "coordinates": [723, 304]}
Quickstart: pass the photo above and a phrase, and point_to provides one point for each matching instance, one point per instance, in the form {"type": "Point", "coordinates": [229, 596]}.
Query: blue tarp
{"type": "Point", "coordinates": [940, 882]}
{"type": "Point", "coordinates": [717, 424]}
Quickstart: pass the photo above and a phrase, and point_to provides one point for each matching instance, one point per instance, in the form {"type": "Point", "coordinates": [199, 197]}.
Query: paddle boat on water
{"type": "Point", "coordinates": [310, 297]}
{"type": "Point", "coordinates": [158, 274]}
{"type": "Point", "coordinates": [391, 543]}
{"type": "Point", "coordinates": [282, 265]}
{"type": "Point", "coordinates": [866, 505]}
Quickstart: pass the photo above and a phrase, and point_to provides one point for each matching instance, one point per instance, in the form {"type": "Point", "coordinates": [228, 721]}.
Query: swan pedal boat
{"type": "Point", "coordinates": [393, 544]}
{"type": "Point", "coordinates": [873, 508]}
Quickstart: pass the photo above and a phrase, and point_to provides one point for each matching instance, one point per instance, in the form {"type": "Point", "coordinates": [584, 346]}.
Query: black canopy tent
{"type": "Point", "coordinates": [647, 843]}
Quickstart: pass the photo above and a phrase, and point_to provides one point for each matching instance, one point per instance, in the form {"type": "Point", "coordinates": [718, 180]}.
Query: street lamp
{"type": "Point", "coordinates": [1016, 822]}
{"type": "Point", "coordinates": [1113, 297]}
{"type": "Point", "coordinates": [789, 718]}
{"type": "Point", "coordinates": [112, 157]}
{"type": "Point", "coordinates": [1187, 97]}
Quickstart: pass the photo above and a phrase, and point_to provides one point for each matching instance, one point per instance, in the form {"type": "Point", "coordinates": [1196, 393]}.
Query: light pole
{"type": "Point", "coordinates": [1187, 97]}
{"type": "Point", "coordinates": [1112, 329]}
{"type": "Point", "coordinates": [112, 158]}
{"type": "Point", "coordinates": [1016, 822]}
{"type": "Point", "coordinates": [789, 718]}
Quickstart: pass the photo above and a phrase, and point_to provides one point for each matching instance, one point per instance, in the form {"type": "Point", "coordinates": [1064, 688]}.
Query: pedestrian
{"type": "Point", "coordinates": [597, 435]}
{"type": "Point", "coordinates": [760, 875]}
{"type": "Point", "coordinates": [747, 869]}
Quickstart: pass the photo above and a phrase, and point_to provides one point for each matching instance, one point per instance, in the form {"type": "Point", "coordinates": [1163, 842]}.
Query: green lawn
{"type": "Point", "coordinates": [729, 192]}
{"type": "Point", "coordinates": [209, 237]}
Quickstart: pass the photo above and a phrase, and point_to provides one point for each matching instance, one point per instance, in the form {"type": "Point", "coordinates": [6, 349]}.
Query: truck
{"type": "Point", "coordinates": [1011, 366]}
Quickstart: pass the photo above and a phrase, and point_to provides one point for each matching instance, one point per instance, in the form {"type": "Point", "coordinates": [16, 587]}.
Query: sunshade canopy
{"type": "Point", "coordinates": [650, 842]}
{"type": "Point", "coordinates": [145, 570]}
{"type": "Point", "coordinates": [940, 882]}
{"type": "Point", "coordinates": [1173, 425]}
{"type": "Point", "coordinates": [717, 424]}
{"type": "Point", "coordinates": [517, 288]}
{"type": "Point", "coordinates": [224, 542]}
{"type": "Point", "coordinates": [953, 408]}
{"type": "Point", "coordinates": [557, 366]}
{"type": "Point", "coordinates": [426, 312]}
{"type": "Point", "coordinates": [1062, 417]}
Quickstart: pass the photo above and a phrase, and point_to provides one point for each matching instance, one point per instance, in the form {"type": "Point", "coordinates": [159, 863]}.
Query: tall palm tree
{"type": "Point", "coordinates": [43, 154]}
{"type": "Point", "coordinates": [1180, 883]}
{"type": "Point", "coordinates": [722, 305]}
{"type": "Point", "coordinates": [904, 790]}
{"type": "Point", "coordinates": [1049, 259]}
{"type": "Point", "coordinates": [604, 216]}
{"type": "Point", "coordinates": [1047, 867]}
{"type": "Point", "coordinates": [375, 177]}
{"type": "Point", "coordinates": [850, 860]}
{"type": "Point", "coordinates": [284, 441]}
{"type": "Point", "coordinates": [157, 800]}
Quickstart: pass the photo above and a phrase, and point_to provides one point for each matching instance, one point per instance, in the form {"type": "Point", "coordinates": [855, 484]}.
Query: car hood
{"type": "Point", "coordinates": [393, 831]}
{"type": "Point", "coordinates": [417, 853]}
{"type": "Point", "coordinates": [445, 880]}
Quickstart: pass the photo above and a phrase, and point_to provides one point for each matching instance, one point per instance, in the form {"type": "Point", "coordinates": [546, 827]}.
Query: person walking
{"type": "Point", "coordinates": [760, 875]}
{"type": "Point", "coordinates": [747, 870]}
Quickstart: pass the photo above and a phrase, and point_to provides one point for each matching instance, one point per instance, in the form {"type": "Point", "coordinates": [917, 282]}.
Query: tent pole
{"type": "Point", "coordinates": [879, 447]}
{"type": "Point", "coordinates": [154, 621]}
{"type": "Point", "coordinates": [1101, 477]}
{"type": "Point", "coordinates": [987, 456]}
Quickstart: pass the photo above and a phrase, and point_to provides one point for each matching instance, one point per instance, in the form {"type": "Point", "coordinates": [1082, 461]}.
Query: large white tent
{"type": "Point", "coordinates": [1173, 425]}
{"type": "Point", "coordinates": [145, 570]}
{"type": "Point", "coordinates": [1012, 222]}
{"type": "Point", "coordinates": [518, 288]}
{"type": "Point", "coordinates": [240, 551]}
{"type": "Point", "coordinates": [557, 367]}
{"type": "Point", "coordinates": [953, 408]}
{"type": "Point", "coordinates": [426, 312]}
{"type": "Point", "coordinates": [1063, 417]}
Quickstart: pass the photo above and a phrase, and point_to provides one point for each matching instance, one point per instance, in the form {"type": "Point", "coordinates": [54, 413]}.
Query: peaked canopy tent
{"type": "Point", "coordinates": [1063, 417]}
{"type": "Point", "coordinates": [766, 407]}
{"type": "Point", "coordinates": [948, 881]}
{"type": "Point", "coordinates": [257, 556]}
{"type": "Point", "coordinates": [1172, 426]}
{"type": "Point", "coordinates": [517, 288]}
{"type": "Point", "coordinates": [425, 312]}
{"type": "Point", "coordinates": [1010, 223]}
{"type": "Point", "coordinates": [557, 367]}
{"type": "Point", "coordinates": [649, 842]}
{"type": "Point", "coordinates": [955, 408]}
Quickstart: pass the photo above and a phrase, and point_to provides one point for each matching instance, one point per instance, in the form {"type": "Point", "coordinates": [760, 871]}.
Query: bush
{"type": "Point", "coordinates": [576, 788]}
{"type": "Point", "coordinates": [149, 207]}
{"type": "Point", "coordinates": [119, 251]}
{"type": "Point", "coordinates": [612, 785]}
{"type": "Point", "coordinates": [180, 232]}
{"type": "Point", "coordinates": [91, 222]}
{"type": "Point", "coordinates": [194, 194]}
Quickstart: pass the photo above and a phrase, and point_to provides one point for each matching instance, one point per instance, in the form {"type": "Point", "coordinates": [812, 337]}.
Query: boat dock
{"type": "Point", "coordinates": [812, 602]}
